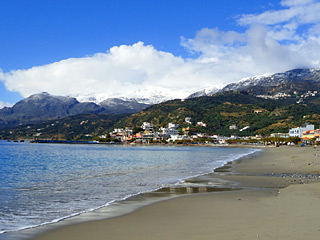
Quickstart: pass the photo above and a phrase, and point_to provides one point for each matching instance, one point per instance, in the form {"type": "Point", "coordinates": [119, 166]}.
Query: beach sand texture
{"type": "Point", "coordinates": [260, 211]}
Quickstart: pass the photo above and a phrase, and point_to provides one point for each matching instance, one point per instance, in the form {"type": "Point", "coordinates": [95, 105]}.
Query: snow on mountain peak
{"type": "Point", "coordinates": [208, 91]}
{"type": "Point", "coordinates": [91, 97]}
{"type": "Point", "coordinates": [257, 77]}
{"type": "Point", "coordinates": [149, 95]}
{"type": "Point", "coordinates": [154, 95]}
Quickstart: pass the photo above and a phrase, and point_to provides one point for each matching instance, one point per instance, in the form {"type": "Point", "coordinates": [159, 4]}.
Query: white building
{"type": "Point", "coordinates": [201, 124]}
{"type": "Point", "coordinates": [129, 131]}
{"type": "Point", "coordinates": [174, 138]}
{"type": "Point", "coordinates": [117, 130]}
{"type": "Point", "coordinates": [258, 111]}
{"type": "Point", "coordinates": [279, 135]}
{"type": "Point", "coordinates": [173, 125]}
{"type": "Point", "coordinates": [297, 132]}
{"type": "Point", "coordinates": [147, 126]}
{"type": "Point", "coordinates": [170, 131]}
{"type": "Point", "coordinates": [233, 127]}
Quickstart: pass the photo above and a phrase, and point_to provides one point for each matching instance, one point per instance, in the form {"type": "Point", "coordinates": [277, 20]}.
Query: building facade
{"type": "Point", "coordinates": [298, 132]}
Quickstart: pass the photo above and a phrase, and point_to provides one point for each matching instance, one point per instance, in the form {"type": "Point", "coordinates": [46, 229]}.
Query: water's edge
{"type": "Point", "coordinates": [202, 183]}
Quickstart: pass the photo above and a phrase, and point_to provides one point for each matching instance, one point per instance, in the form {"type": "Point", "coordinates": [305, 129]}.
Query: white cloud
{"type": "Point", "coordinates": [273, 41]}
{"type": "Point", "coordinates": [5, 104]}
{"type": "Point", "coordinates": [297, 11]}
{"type": "Point", "coordinates": [119, 71]}
{"type": "Point", "coordinates": [292, 3]}
{"type": "Point", "coordinates": [252, 52]}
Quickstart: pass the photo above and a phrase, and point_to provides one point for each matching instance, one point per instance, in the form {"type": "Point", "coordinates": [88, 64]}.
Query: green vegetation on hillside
{"type": "Point", "coordinates": [219, 112]}
{"type": "Point", "coordinates": [79, 127]}
{"type": "Point", "coordinates": [230, 108]}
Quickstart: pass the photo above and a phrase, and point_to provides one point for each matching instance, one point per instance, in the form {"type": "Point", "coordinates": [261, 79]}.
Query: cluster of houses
{"type": "Point", "coordinates": [276, 96]}
{"type": "Point", "coordinates": [306, 95]}
{"type": "Point", "coordinates": [300, 97]}
{"type": "Point", "coordinates": [173, 133]}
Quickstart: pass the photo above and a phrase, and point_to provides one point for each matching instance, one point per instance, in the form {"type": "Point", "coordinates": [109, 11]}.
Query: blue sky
{"type": "Point", "coordinates": [38, 32]}
{"type": "Point", "coordinates": [42, 39]}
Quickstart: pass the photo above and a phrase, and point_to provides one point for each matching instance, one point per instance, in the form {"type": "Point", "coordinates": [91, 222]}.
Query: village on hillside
{"type": "Point", "coordinates": [173, 133]}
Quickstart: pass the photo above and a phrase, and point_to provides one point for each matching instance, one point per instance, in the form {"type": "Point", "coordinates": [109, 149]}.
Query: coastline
{"type": "Point", "coordinates": [260, 210]}
{"type": "Point", "coordinates": [130, 202]}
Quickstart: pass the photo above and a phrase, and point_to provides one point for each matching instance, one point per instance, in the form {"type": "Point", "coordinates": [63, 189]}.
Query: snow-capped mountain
{"type": "Point", "coordinates": [44, 106]}
{"type": "Point", "coordinates": [277, 79]}
{"type": "Point", "coordinates": [209, 91]}
{"type": "Point", "coordinates": [155, 95]}
{"type": "Point", "coordinates": [150, 95]}
{"type": "Point", "coordinates": [117, 106]}
{"type": "Point", "coordinates": [90, 97]}
{"type": "Point", "coordinates": [293, 79]}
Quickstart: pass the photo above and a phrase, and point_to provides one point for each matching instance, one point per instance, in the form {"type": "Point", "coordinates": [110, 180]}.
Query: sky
{"type": "Point", "coordinates": [115, 46]}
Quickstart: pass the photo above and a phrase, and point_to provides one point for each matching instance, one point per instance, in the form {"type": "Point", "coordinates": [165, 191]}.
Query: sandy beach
{"type": "Point", "coordinates": [279, 197]}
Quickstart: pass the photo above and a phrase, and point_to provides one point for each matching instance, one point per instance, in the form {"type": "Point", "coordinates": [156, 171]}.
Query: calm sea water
{"type": "Point", "coordinates": [43, 183]}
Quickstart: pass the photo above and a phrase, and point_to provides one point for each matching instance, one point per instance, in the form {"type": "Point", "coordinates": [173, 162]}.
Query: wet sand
{"type": "Point", "coordinates": [276, 196]}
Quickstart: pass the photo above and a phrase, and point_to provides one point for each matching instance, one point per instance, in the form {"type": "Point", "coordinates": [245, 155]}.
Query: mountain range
{"type": "Point", "coordinates": [148, 95]}
{"type": "Point", "coordinates": [262, 105]}
{"type": "Point", "coordinates": [271, 84]}
{"type": "Point", "coordinates": [43, 106]}
{"type": "Point", "coordinates": [287, 82]}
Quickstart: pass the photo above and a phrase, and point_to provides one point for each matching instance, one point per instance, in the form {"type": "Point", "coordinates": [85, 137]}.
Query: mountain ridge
{"type": "Point", "coordinates": [302, 75]}
{"type": "Point", "coordinates": [148, 95]}
{"type": "Point", "coordinates": [295, 76]}
{"type": "Point", "coordinates": [43, 106]}
{"type": "Point", "coordinates": [238, 113]}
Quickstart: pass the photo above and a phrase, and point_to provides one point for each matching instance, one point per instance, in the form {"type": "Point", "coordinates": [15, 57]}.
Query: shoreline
{"type": "Point", "coordinates": [125, 205]}
{"type": "Point", "coordinates": [230, 179]}
{"type": "Point", "coordinates": [266, 211]}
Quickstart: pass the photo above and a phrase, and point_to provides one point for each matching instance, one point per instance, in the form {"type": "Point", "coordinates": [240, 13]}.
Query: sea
{"type": "Point", "coordinates": [47, 183]}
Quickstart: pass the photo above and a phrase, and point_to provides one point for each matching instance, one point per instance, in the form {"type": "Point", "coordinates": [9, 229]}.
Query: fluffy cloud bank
{"type": "Point", "coordinates": [272, 41]}
{"type": "Point", "coordinates": [122, 69]}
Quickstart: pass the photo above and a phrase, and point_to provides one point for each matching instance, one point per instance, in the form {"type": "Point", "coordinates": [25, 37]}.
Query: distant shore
{"type": "Point", "coordinates": [148, 144]}
{"type": "Point", "coordinates": [279, 200]}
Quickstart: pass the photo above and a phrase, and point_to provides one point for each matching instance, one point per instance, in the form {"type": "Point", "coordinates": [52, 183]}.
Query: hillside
{"type": "Point", "coordinates": [231, 108]}
{"type": "Point", "coordinates": [219, 112]}
{"type": "Point", "coordinates": [79, 127]}
{"type": "Point", "coordinates": [267, 104]}
{"type": "Point", "coordinates": [43, 106]}
{"type": "Point", "coordinates": [301, 80]}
